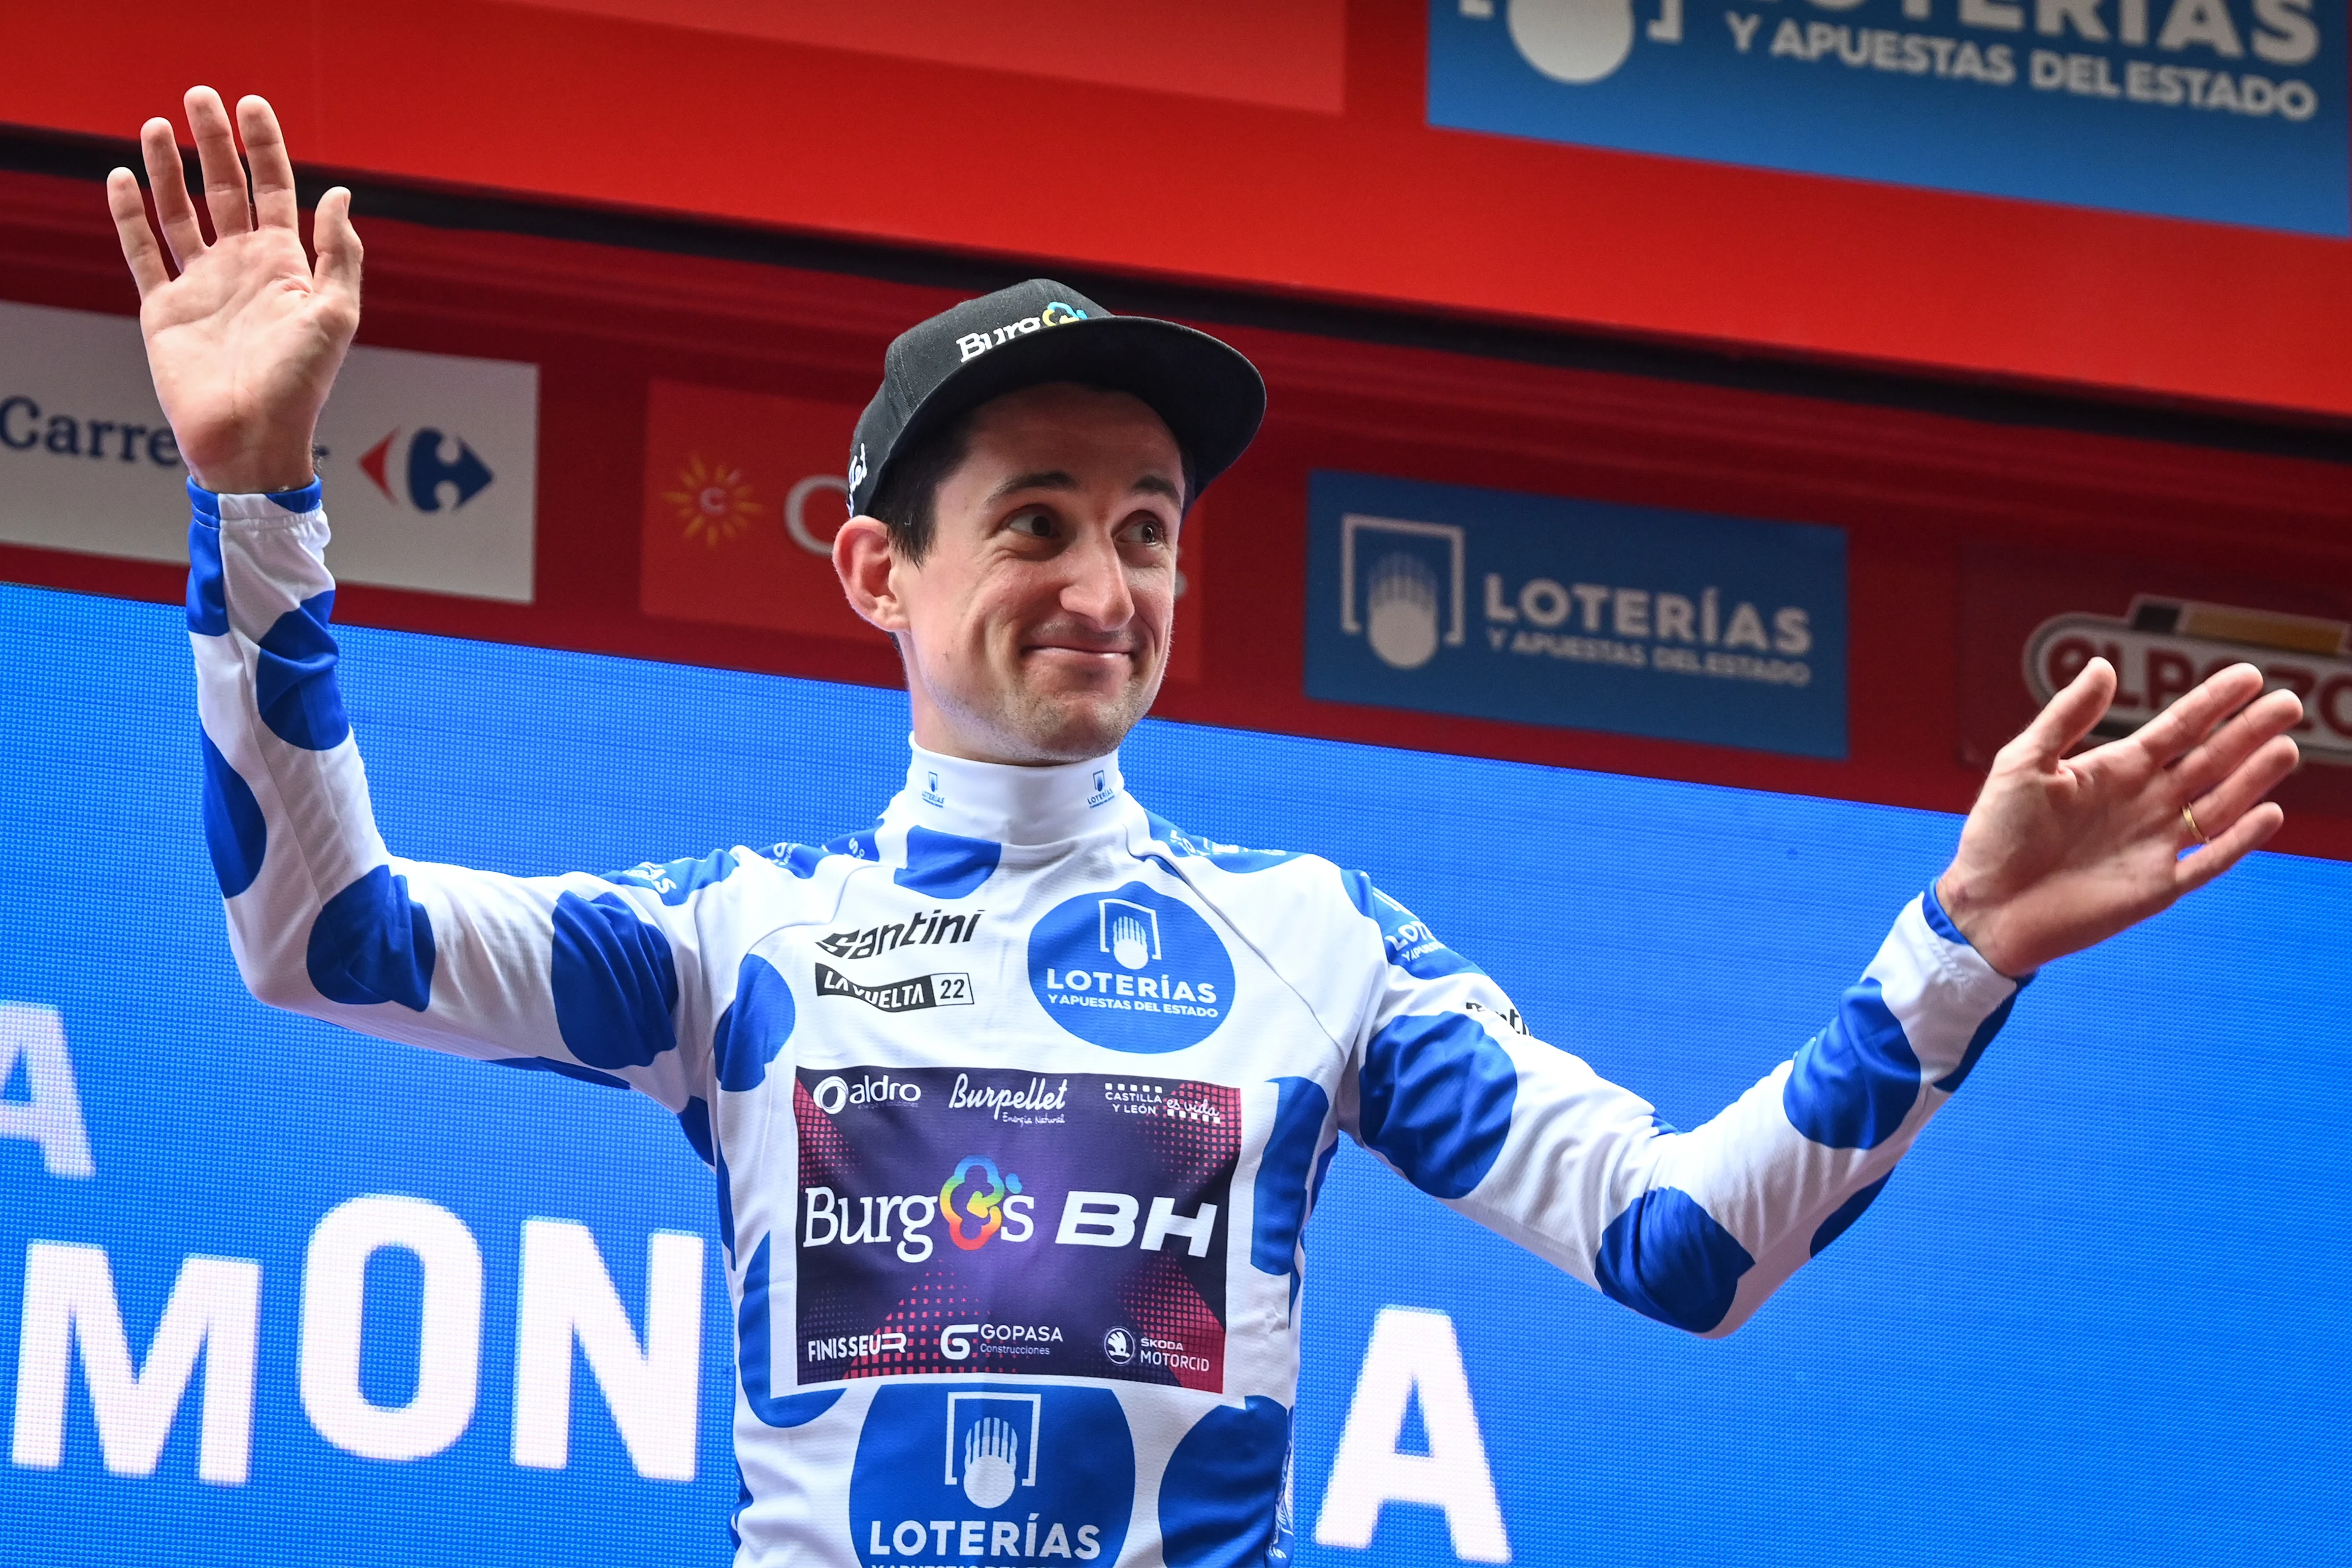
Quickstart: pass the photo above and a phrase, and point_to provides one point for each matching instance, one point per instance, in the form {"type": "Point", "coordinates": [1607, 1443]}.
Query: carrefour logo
{"type": "Point", "coordinates": [417, 470]}
{"type": "Point", "coordinates": [988, 1198]}
{"type": "Point", "coordinates": [1133, 969]}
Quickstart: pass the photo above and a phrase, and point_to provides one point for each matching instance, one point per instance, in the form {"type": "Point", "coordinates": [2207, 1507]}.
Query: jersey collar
{"type": "Point", "coordinates": [1006, 804]}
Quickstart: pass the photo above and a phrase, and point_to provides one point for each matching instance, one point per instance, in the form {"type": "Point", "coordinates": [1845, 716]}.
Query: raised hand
{"type": "Point", "coordinates": [244, 343]}
{"type": "Point", "coordinates": [2060, 852]}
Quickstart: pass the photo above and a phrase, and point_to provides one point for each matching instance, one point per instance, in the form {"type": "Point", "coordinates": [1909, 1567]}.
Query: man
{"type": "Point", "coordinates": [1018, 1102]}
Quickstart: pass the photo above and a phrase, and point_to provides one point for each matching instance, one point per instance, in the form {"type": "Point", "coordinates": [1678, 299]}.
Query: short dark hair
{"type": "Point", "coordinates": [907, 500]}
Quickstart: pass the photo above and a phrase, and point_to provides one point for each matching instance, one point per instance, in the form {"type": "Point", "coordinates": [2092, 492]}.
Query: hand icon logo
{"type": "Point", "coordinates": [990, 1450]}
{"type": "Point", "coordinates": [1130, 943]}
{"type": "Point", "coordinates": [1575, 41]}
{"type": "Point", "coordinates": [1401, 612]}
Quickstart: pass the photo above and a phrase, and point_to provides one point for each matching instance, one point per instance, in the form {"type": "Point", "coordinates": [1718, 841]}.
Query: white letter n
{"type": "Point", "coordinates": [653, 1393]}
{"type": "Point", "coordinates": [214, 1311]}
{"type": "Point", "coordinates": [1412, 1351]}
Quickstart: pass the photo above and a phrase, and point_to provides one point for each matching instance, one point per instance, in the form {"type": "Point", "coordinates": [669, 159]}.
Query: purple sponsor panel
{"type": "Point", "coordinates": [979, 1220]}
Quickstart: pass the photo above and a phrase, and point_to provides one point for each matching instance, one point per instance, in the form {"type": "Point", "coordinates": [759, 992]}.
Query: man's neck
{"type": "Point", "coordinates": [1009, 804]}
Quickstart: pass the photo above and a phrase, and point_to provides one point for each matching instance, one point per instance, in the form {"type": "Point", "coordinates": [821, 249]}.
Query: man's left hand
{"type": "Point", "coordinates": [2060, 852]}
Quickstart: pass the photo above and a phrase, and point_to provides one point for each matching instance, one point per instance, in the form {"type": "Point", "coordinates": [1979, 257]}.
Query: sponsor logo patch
{"type": "Point", "coordinates": [910, 995]}
{"type": "Point", "coordinates": [962, 1219]}
{"type": "Point", "coordinates": [925, 928]}
{"type": "Point", "coordinates": [1131, 968]}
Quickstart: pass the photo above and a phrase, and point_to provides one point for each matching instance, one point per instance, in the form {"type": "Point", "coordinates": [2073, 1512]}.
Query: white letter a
{"type": "Point", "coordinates": [52, 1117]}
{"type": "Point", "coordinates": [1413, 1352]}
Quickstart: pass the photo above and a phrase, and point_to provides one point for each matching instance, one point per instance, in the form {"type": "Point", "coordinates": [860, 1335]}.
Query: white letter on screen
{"type": "Point", "coordinates": [448, 1340]}
{"type": "Point", "coordinates": [1413, 1352]}
{"type": "Point", "coordinates": [52, 1117]}
{"type": "Point", "coordinates": [653, 1393]}
{"type": "Point", "coordinates": [214, 1310]}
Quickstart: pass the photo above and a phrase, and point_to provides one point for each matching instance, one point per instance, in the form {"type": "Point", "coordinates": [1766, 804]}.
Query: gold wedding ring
{"type": "Point", "coordinates": [2194, 831]}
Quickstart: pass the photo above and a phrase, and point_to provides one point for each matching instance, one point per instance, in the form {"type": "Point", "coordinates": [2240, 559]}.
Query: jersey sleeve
{"type": "Point", "coordinates": [1693, 1228]}
{"type": "Point", "coordinates": [589, 976]}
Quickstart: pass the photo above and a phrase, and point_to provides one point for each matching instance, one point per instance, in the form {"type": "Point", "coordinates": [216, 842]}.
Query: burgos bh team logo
{"type": "Point", "coordinates": [985, 1196]}
{"type": "Point", "coordinates": [1133, 970]}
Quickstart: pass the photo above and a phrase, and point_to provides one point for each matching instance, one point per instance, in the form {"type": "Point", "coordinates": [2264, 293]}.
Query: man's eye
{"type": "Point", "coordinates": [1035, 524]}
{"type": "Point", "coordinates": [1147, 530]}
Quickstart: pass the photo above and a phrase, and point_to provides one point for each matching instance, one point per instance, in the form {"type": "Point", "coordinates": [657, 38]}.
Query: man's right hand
{"type": "Point", "coordinates": [245, 343]}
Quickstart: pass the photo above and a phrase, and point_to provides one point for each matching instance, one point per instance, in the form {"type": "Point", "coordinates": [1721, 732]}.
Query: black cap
{"type": "Point", "coordinates": [1040, 331]}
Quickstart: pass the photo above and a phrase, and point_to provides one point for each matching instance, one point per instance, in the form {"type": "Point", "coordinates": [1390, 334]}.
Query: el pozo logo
{"type": "Point", "coordinates": [1132, 970]}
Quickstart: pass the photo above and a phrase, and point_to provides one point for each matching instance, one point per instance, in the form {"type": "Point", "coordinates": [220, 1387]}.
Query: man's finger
{"type": "Point", "coordinates": [130, 227]}
{"type": "Point", "coordinates": [2192, 718]}
{"type": "Point", "coordinates": [2272, 713]}
{"type": "Point", "coordinates": [169, 182]}
{"type": "Point", "coordinates": [2217, 810]}
{"type": "Point", "coordinates": [337, 244]}
{"type": "Point", "coordinates": [273, 170]}
{"type": "Point", "coordinates": [2248, 834]}
{"type": "Point", "coordinates": [2066, 718]}
{"type": "Point", "coordinates": [225, 197]}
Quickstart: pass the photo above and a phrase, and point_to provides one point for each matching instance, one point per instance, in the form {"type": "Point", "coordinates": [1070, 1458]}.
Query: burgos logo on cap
{"type": "Point", "coordinates": [1056, 314]}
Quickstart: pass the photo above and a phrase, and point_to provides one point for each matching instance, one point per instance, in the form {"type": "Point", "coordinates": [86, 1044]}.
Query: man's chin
{"type": "Point", "coordinates": [1070, 728]}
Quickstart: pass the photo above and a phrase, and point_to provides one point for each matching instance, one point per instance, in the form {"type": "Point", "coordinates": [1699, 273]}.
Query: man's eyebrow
{"type": "Point", "coordinates": [1044, 480]}
{"type": "Point", "coordinates": [1060, 480]}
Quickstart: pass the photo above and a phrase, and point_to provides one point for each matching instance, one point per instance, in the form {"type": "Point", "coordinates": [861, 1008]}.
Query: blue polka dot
{"type": "Point", "coordinates": [856, 846]}
{"type": "Point", "coordinates": [801, 860]}
{"type": "Point", "coordinates": [1938, 920]}
{"type": "Point", "coordinates": [1225, 857]}
{"type": "Point", "coordinates": [207, 601]}
{"type": "Point", "coordinates": [294, 677]}
{"type": "Point", "coordinates": [1842, 1218]}
{"type": "Point", "coordinates": [1411, 946]}
{"type": "Point", "coordinates": [1667, 1259]}
{"type": "Point", "coordinates": [677, 880]}
{"type": "Point", "coordinates": [561, 1069]}
{"type": "Point", "coordinates": [1436, 1098]}
{"type": "Point", "coordinates": [755, 1026]}
{"type": "Point", "coordinates": [1280, 1205]}
{"type": "Point", "coordinates": [233, 829]}
{"type": "Point", "coordinates": [299, 500]}
{"type": "Point", "coordinates": [754, 1346]}
{"type": "Point", "coordinates": [373, 944]}
{"type": "Point", "coordinates": [1950, 1082]}
{"type": "Point", "coordinates": [1223, 1487]}
{"type": "Point", "coordinates": [615, 982]}
{"type": "Point", "coordinates": [725, 1202]}
{"type": "Point", "coordinates": [695, 1122]}
{"type": "Point", "coordinates": [946, 865]}
{"type": "Point", "coordinates": [1853, 1083]}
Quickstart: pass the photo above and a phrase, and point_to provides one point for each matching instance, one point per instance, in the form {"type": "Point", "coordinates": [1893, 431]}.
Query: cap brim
{"type": "Point", "coordinates": [1210, 396]}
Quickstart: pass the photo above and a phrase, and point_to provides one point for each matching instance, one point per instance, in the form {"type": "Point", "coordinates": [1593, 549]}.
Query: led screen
{"type": "Point", "coordinates": [2098, 1315]}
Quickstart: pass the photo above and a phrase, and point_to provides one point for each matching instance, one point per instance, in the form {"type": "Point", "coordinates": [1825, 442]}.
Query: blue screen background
{"type": "Point", "coordinates": [2098, 1315]}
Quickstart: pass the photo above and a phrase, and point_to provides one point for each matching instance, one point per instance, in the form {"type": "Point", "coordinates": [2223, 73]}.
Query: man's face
{"type": "Point", "coordinates": [1035, 629]}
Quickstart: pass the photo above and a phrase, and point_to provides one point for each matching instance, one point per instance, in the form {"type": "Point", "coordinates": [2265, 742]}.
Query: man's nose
{"type": "Point", "coordinates": [1097, 586]}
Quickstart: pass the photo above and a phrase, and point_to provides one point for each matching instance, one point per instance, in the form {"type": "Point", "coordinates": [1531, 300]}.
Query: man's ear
{"type": "Point", "coordinates": [862, 559]}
